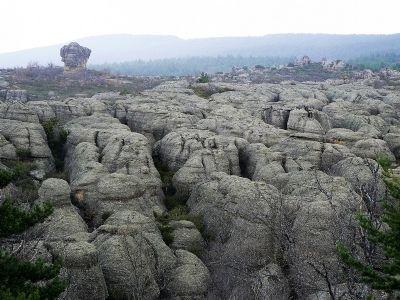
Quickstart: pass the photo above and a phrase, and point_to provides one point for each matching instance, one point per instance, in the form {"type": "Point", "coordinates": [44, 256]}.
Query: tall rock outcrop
{"type": "Point", "coordinates": [74, 56]}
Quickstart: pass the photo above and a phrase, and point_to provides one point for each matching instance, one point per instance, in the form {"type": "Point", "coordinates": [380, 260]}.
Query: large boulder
{"type": "Point", "coordinates": [74, 56]}
{"type": "Point", "coordinates": [133, 256]}
{"type": "Point", "coordinates": [238, 216]}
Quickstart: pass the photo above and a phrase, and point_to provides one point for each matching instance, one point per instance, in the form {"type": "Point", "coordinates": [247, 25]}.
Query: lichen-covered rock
{"type": "Point", "coordinates": [111, 168]}
{"type": "Point", "coordinates": [372, 148]}
{"type": "Point", "coordinates": [190, 278]}
{"type": "Point", "coordinates": [74, 56]}
{"type": "Point", "coordinates": [312, 121]}
{"type": "Point", "coordinates": [30, 138]}
{"type": "Point", "coordinates": [238, 216]}
{"type": "Point", "coordinates": [318, 210]}
{"type": "Point", "coordinates": [186, 236]}
{"type": "Point", "coordinates": [200, 165]}
{"type": "Point", "coordinates": [132, 255]}
{"type": "Point", "coordinates": [82, 271]}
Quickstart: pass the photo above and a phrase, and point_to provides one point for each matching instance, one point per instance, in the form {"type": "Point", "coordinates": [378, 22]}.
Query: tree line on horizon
{"type": "Point", "coordinates": [196, 65]}
{"type": "Point", "coordinates": [188, 65]}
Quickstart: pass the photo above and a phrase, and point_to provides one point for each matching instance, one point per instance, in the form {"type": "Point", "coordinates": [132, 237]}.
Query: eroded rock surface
{"type": "Point", "coordinates": [254, 185]}
{"type": "Point", "coordinates": [74, 56]}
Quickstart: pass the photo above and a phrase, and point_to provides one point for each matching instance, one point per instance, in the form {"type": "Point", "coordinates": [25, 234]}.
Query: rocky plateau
{"type": "Point", "coordinates": [269, 177]}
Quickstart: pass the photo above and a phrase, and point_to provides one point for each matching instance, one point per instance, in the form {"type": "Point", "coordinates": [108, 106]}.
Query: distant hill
{"type": "Point", "coordinates": [121, 48]}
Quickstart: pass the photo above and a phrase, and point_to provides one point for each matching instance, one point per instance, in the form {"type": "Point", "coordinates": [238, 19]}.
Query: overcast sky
{"type": "Point", "coordinates": [32, 23]}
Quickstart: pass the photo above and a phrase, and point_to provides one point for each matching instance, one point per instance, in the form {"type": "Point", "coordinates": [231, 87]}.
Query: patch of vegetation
{"type": "Point", "coordinates": [380, 272]}
{"type": "Point", "coordinates": [166, 233]}
{"type": "Point", "coordinates": [18, 172]}
{"type": "Point", "coordinates": [166, 178]}
{"type": "Point", "coordinates": [6, 177]}
{"type": "Point", "coordinates": [24, 154]}
{"type": "Point", "coordinates": [14, 220]}
{"type": "Point", "coordinates": [178, 213]}
{"type": "Point", "coordinates": [38, 81]}
{"type": "Point", "coordinates": [206, 92]}
{"type": "Point", "coordinates": [188, 65]}
{"type": "Point", "coordinates": [56, 138]}
{"type": "Point", "coordinates": [377, 61]}
{"type": "Point", "coordinates": [23, 279]}
{"type": "Point", "coordinates": [204, 78]}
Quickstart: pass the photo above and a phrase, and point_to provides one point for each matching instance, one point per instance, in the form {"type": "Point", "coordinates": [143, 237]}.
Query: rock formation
{"type": "Point", "coordinates": [74, 56]}
{"type": "Point", "coordinates": [239, 195]}
{"type": "Point", "coordinates": [304, 61]}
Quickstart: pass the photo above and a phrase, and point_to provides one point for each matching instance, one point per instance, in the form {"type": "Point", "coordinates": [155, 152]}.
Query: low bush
{"type": "Point", "coordinates": [15, 220]}
{"type": "Point", "coordinates": [25, 279]}
{"type": "Point", "coordinates": [18, 170]}
{"type": "Point", "coordinates": [204, 78]}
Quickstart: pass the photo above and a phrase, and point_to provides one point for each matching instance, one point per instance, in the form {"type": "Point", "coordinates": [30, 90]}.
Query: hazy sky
{"type": "Point", "coordinates": [32, 23]}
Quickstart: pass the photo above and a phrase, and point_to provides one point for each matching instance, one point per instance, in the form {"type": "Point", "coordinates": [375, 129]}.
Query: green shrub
{"type": "Point", "coordinates": [18, 170]}
{"type": "Point", "coordinates": [21, 169]}
{"type": "Point", "coordinates": [15, 220]}
{"type": "Point", "coordinates": [63, 135]}
{"type": "Point", "coordinates": [49, 126]}
{"type": "Point", "coordinates": [380, 272]}
{"type": "Point", "coordinates": [18, 279]}
{"type": "Point", "coordinates": [5, 177]}
{"type": "Point", "coordinates": [204, 78]}
{"type": "Point", "coordinates": [206, 92]}
{"type": "Point", "coordinates": [23, 279]}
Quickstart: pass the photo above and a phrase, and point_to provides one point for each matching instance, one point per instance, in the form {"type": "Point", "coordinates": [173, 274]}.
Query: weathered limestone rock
{"type": "Point", "coordinates": [29, 137]}
{"type": "Point", "coordinates": [111, 168]}
{"type": "Point", "coordinates": [311, 121]}
{"type": "Point", "coordinates": [238, 216]}
{"type": "Point", "coordinates": [189, 280]}
{"type": "Point", "coordinates": [186, 236]}
{"type": "Point", "coordinates": [318, 212]}
{"type": "Point", "coordinates": [74, 56]}
{"type": "Point", "coordinates": [132, 255]}
{"type": "Point", "coordinates": [372, 148]}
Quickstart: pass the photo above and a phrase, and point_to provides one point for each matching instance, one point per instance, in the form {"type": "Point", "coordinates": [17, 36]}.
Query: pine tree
{"type": "Point", "coordinates": [19, 279]}
{"type": "Point", "coordinates": [384, 273]}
